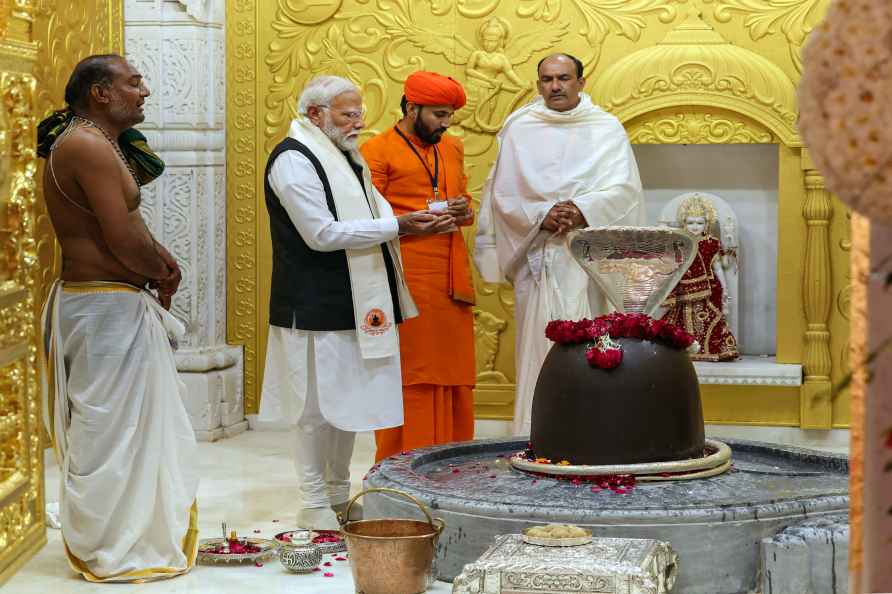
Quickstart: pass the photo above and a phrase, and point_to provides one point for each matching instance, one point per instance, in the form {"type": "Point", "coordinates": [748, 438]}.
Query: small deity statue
{"type": "Point", "coordinates": [485, 68]}
{"type": "Point", "coordinates": [699, 302]}
{"type": "Point", "coordinates": [486, 64]}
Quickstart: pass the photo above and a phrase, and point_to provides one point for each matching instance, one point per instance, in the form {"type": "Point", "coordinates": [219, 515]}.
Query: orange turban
{"type": "Point", "coordinates": [430, 88]}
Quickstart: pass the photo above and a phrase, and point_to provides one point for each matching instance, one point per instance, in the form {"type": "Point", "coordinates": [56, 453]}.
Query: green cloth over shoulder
{"type": "Point", "coordinates": [145, 163]}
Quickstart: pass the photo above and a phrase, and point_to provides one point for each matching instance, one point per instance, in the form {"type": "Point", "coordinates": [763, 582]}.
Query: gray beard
{"type": "Point", "coordinates": [340, 140]}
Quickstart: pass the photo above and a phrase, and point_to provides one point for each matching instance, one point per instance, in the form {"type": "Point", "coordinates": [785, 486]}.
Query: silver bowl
{"type": "Point", "coordinates": [299, 557]}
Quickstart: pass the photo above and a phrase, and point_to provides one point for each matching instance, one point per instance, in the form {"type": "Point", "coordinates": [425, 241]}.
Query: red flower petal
{"type": "Point", "coordinates": [258, 564]}
{"type": "Point", "coordinates": [327, 564]}
{"type": "Point", "coordinates": [328, 574]}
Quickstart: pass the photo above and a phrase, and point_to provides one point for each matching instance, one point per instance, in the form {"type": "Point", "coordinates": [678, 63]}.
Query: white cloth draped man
{"type": "Point", "coordinates": [563, 163]}
{"type": "Point", "coordinates": [114, 405]}
{"type": "Point", "coordinates": [338, 292]}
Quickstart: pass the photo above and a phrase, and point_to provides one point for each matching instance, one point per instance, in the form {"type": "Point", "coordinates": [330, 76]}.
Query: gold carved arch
{"type": "Point", "coordinates": [674, 71]}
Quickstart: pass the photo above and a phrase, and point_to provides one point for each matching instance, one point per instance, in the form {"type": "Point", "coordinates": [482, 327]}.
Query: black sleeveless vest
{"type": "Point", "coordinates": [311, 289]}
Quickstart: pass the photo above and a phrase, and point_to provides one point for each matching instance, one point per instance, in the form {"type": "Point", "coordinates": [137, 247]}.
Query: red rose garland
{"type": "Point", "coordinates": [603, 352]}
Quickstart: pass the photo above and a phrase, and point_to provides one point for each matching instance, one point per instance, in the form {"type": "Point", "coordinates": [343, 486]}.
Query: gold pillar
{"type": "Point", "coordinates": [815, 404]}
{"type": "Point", "coordinates": [245, 158]}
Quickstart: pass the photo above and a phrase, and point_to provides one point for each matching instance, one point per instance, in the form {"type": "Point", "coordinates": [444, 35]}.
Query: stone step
{"type": "Point", "coordinates": [811, 557]}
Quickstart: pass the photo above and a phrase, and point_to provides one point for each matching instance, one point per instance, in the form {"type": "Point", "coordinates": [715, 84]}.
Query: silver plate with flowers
{"type": "Point", "coordinates": [240, 550]}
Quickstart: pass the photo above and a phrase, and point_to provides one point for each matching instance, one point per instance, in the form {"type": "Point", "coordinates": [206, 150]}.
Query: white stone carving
{"type": "Point", "coordinates": [179, 46]}
{"type": "Point", "coordinates": [749, 370]}
{"type": "Point", "coordinates": [204, 10]}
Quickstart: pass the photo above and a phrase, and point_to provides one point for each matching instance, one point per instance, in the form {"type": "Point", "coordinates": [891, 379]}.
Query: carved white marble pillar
{"type": "Point", "coordinates": [178, 45]}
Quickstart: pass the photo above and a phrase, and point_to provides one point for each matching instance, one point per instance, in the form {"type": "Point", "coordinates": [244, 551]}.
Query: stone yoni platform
{"type": "Point", "coordinates": [715, 525]}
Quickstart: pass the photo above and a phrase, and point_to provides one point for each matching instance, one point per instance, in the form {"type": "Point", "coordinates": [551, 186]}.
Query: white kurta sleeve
{"type": "Point", "coordinates": [298, 187]}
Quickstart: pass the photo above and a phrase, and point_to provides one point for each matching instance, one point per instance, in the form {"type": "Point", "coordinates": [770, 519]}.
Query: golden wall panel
{"type": "Point", "coordinates": [699, 71]}
{"type": "Point", "coordinates": [22, 527]}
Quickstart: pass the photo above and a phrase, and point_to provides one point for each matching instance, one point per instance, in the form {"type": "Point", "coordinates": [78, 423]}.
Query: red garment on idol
{"type": "Point", "coordinates": [695, 304]}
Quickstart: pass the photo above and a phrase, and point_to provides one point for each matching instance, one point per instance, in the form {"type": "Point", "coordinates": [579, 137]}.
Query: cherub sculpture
{"type": "Point", "coordinates": [489, 67]}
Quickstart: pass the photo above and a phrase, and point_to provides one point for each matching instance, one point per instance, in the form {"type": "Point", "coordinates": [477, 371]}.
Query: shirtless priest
{"type": "Point", "coordinates": [121, 432]}
{"type": "Point", "coordinates": [563, 163]}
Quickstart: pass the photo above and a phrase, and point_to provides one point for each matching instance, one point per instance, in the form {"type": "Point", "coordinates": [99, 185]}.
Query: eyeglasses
{"type": "Point", "coordinates": [354, 116]}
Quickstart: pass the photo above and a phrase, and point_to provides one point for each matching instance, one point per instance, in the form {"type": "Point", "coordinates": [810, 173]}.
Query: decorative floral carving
{"type": "Point", "coordinates": [698, 128]}
{"type": "Point", "coordinates": [695, 61]}
{"type": "Point", "coordinates": [794, 18]}
{"type": "Point", "coordinates": [494, 89]}
{"type": "Point", "coordinates": [626, 17]}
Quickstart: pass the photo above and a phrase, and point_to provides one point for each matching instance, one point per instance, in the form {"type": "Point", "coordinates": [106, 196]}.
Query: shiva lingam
{"type": "Point", "coordinates": [618, 395]}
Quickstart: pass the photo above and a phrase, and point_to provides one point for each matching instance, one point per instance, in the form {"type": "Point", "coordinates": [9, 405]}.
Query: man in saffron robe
{"type": "Point", "coordinates": [416, 165]}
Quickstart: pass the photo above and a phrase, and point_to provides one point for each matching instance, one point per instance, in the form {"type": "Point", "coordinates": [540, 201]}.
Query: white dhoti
{"type": "Point", "coordinates": [123, 438]}
{"type": "Point", "coordinates": [550, 286]}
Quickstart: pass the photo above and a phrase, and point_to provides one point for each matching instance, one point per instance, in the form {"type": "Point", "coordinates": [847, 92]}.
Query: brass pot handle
{"type": "Point", "coordinates": [343, 518]}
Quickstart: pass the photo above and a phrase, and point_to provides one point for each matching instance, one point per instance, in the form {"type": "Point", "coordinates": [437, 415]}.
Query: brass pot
{"type": "Point", "coordinates": [391, 556]}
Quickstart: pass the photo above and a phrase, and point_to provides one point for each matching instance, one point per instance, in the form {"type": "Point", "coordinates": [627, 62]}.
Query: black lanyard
{"type": "Point", "coordinates": [435, 181]}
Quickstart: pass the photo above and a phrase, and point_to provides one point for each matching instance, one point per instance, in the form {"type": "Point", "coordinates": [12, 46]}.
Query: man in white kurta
{"type": "Point", "coordinates": [338, 291]}
{"type": "Point", "coordinates": [563, 163]}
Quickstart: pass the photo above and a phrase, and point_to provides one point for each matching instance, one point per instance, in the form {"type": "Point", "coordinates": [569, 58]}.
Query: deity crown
{"type": "Point", "coordinates": [697, 206]}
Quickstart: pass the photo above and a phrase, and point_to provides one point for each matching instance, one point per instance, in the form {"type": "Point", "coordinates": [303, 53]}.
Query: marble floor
{"type": "Point", "coordinates": [247, 481]}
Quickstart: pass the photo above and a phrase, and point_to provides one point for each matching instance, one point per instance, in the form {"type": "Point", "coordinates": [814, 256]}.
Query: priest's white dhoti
{"type": "Point", "coordinates": [125, 444]}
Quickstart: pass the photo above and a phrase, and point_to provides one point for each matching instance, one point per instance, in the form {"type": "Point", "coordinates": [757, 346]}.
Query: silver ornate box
{"type": "Point", "coordinates": [605, 566]}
